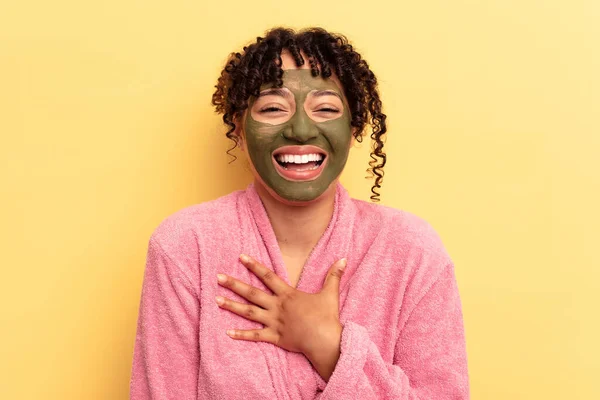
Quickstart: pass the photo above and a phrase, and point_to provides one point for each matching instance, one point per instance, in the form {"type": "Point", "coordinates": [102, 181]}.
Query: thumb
{"type": "Point", "coordinates": [334, 275]}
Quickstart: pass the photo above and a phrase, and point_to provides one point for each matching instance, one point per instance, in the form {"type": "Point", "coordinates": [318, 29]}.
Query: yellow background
{"type": "Point", "coordinates": [106, 128]}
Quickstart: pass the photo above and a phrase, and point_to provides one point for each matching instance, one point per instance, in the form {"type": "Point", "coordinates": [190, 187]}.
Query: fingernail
{"type": "Point", "coordinates": [342, 263]}
{"type": "Point", "coordinates": [221, 278]}
{"type": "Point", "coordinates": [244, 258]}
{"type": "Point", "coordinates": [220, 300]}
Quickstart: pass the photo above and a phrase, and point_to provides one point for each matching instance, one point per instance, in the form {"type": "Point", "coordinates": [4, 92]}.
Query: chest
{"type": "Point", "coordinates": [237, 369]}
{"type": "Point", "coordinates": [294, 266]}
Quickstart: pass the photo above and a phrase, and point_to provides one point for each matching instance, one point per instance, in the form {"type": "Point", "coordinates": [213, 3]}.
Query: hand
{"type": "Point", "coordinates": [294, 320]}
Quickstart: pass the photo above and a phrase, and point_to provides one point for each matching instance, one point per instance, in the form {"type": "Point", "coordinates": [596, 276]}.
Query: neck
{"type": "Point", "coordinates": [298, 228]}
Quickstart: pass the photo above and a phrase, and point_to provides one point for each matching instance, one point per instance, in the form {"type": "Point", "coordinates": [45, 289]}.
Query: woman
{"type": "Point", "coordinates": [291, 289]}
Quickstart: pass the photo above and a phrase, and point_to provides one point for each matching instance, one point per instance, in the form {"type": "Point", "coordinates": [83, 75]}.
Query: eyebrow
{"type": "Point", "coordinates": [275, 92]}
{"type": "Point", "coordinates": [320, 93]}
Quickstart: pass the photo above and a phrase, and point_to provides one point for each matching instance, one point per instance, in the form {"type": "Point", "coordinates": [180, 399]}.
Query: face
{"type": "Point", "coordinates": [298, 136]}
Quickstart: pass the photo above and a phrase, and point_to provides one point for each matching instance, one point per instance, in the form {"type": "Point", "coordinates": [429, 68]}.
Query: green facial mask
{"type": "Point", "coordinates": [332, 136]}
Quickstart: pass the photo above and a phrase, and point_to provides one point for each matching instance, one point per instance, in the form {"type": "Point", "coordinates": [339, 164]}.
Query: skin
{"type": "Point", "coordinates": [299, 117]}
{"type": "Point", "coordinates": [299, 213]}
{"type": "Point", "coordinates": [293, 320]}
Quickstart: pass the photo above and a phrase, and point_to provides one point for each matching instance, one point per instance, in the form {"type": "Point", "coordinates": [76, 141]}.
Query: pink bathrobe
{"type": "Point", "coordinates": [402, 338]}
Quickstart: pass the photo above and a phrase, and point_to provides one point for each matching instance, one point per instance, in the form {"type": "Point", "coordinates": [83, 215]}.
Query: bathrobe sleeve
{"type": "Point", "coordinates": [166, 353]}
{"type": "Point", "coordinates": [430, 359]}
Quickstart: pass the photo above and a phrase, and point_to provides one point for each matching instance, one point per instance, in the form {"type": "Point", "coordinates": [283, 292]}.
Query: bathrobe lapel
{"type": "Point", "coordinates": [333, 245]}
{"type": "Point", "coordinates": [292, 371]}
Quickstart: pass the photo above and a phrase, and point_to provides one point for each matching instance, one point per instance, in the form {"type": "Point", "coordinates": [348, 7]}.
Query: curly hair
{"type": "Point", "coordinates": [328, 54]}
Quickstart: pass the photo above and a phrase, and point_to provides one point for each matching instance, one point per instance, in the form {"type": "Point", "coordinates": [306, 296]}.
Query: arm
{"type": "Point", "coordinates": [166, 354]}
{"type": "Point", "coordinates": [430, 360]}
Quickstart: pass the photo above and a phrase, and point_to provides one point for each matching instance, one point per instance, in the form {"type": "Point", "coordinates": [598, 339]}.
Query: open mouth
{"type": "Point", "coordinates": [300, 163]}
{"type": "Point", "coordinates": [296, 162]}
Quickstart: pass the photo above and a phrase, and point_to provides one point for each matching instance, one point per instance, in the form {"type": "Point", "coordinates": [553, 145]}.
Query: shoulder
{"type": "Point", "coordinates": [408, 245]}
{"type": "Point", "coordinates": [407, 230]}
{"type": "Point", "coordinates": [410, 241]}
{"type": "Point", "coordinates": [179, 232]}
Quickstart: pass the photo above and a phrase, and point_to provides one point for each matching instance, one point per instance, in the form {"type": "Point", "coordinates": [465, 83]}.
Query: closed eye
{"type": "Point", "coordinates": [327, 109]}
{"type": "Point", "coordinates": [270, 109]}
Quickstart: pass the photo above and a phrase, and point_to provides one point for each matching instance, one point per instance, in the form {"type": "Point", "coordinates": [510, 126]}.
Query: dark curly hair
{"type": "Point", "coordinates": [328, 54]}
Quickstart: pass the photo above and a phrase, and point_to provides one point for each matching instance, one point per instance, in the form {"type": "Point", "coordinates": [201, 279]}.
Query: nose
{"type": "Point", "coordinates": [301, 128]}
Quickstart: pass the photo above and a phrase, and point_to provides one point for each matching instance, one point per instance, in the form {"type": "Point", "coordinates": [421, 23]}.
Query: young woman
{"type": "Point", "coordinates": [291, 289]}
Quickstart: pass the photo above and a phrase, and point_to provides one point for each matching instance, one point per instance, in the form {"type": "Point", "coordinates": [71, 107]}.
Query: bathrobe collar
{"type": "Point", "coordinates": [332, 246]}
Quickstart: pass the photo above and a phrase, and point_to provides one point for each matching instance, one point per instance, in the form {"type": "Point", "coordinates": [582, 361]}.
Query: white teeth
{"type": "Point", "coordinates": [299, 159]}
